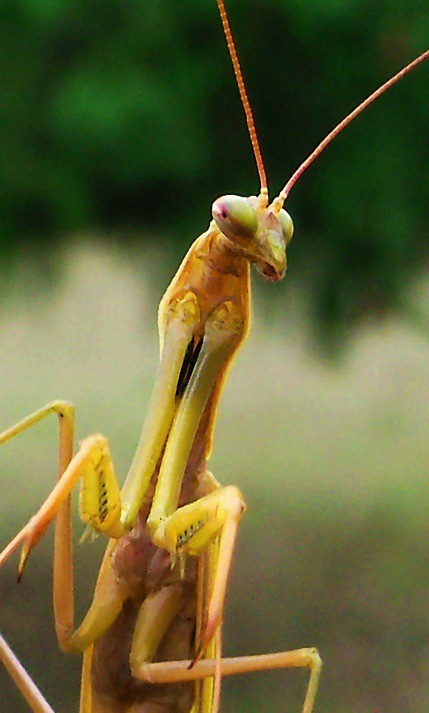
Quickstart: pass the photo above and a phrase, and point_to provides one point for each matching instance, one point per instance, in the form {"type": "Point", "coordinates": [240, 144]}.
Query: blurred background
{"type": "Point", "coordinates": [119, 126]}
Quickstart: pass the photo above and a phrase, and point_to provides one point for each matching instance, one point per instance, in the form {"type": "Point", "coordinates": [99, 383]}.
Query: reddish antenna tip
{"type": "Point", "coordinates": [346, 121]}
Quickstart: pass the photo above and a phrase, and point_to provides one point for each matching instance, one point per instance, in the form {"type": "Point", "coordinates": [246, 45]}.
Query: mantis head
{"type": "Point", "coordinates": [257, 230]}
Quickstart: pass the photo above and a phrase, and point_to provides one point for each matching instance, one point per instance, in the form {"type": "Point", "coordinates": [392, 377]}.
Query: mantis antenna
{"type": "Point", "coordinates": [278, 202]}
{"type": "Point", "coordinates": [243, 96]}
{"type": "Point", "coordinates": [346, 121]}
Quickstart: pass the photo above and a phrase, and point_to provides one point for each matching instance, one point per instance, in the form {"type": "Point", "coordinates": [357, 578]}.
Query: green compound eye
{"type": "Point", "coordinates": [235, 217]}
{"type": "Point", "coordinates": [286, 223]}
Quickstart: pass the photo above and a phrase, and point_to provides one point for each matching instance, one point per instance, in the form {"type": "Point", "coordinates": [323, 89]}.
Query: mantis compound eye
{"type": "Point", "coordinates": [286, 223]}
{"type": "Point", "coordinates": [235, 217]}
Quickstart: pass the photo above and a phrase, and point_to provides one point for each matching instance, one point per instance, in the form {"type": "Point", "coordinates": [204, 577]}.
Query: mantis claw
{"type": "Point", "coordinates": [31, 540]}
{"type": "Point", "coordinates": [200, 653]}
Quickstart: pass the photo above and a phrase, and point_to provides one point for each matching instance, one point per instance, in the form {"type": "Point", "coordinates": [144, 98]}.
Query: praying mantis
{"type": "Point", "coordinates": [177, 552]}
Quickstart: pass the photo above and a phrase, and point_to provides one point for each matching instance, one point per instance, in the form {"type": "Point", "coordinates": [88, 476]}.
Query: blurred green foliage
{"type": "Point", "coordinates": [122, 116]}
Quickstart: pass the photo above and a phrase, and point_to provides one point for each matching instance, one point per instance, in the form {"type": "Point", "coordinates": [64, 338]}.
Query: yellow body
{"type": "Point", "coordinates": [152, 636]}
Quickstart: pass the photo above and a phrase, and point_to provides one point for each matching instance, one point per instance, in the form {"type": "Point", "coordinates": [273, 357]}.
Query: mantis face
{"type": "Point", "coordinates": [258, 230]}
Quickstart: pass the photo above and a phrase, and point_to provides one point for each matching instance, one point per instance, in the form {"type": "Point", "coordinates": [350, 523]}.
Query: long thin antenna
{"type": "Point", "coordinates": [243, 96]}
{"type": "Point", "coordinates": [345, 122]}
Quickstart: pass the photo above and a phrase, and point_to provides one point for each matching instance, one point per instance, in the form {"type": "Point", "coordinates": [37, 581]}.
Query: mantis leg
{"type": "Point", "coordinates": [157, 613]}
{"type": "Point", "coordinates": [192, 528]}
{"type": "Point", "coordinates": [63, 603]}
{"type": "Point", "coordinates": [175, 671]}
{"type": "Point", "coordinates": [181, 320]}
{"type": "Point", "coordinates": [65, 412]}
{"type": "Point", "coordinates": [223, 332]}
{"type": "Point", "coordinates": [93, 464]}
{"type": "Point", "coordinates": [58, 502]}
{"type": "Point", "coordinates": [92, 455]}
{"type": "Point", "coordinates": [26, 685]}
